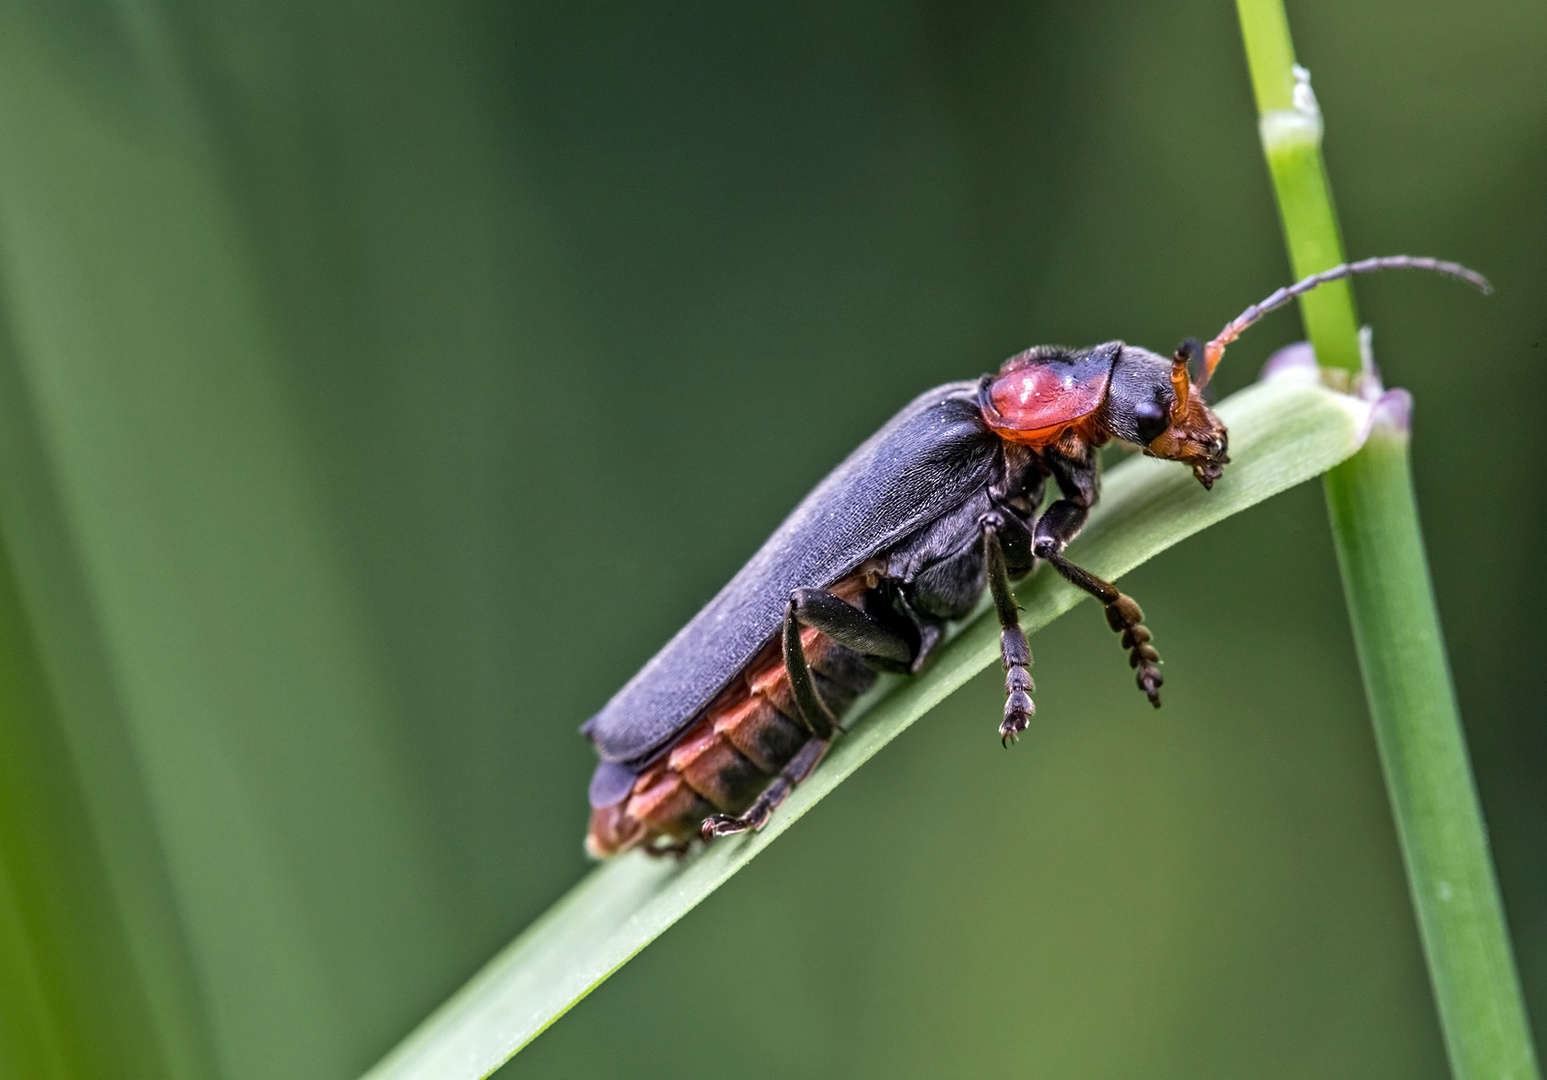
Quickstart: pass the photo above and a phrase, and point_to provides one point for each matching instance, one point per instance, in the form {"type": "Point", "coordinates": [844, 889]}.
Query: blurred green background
{"type": "Point", "coordinates": [380, 385]}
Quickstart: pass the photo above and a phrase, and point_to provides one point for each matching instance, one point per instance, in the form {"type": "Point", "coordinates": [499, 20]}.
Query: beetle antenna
{"type": "Point", "coordinates": [1215, 350]}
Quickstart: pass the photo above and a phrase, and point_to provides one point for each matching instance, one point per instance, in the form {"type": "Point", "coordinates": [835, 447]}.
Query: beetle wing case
{"type": "Point", "coordinates": [928, 459]}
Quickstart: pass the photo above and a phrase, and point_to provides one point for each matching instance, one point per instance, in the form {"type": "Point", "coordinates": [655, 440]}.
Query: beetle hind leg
{"type": "Point", "coordinates": [757, 815]}
{"type": "Point", "coordinates": [851, 628]}
{"type": "Point", "coordinates": [1014, 649]}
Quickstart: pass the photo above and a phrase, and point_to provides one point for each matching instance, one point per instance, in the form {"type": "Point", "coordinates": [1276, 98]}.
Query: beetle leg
{"type": "Point", "coordinates": [852, 628]}
{"type": "Point", "coordinates": [1059, 524]}
{"type": "Point", "coordinates": [1124, 617]}
{"type": "Point", "coordinates": [814, 713]}
{"type": "Point", "coordinates": [1018, 706]}
{"type": "Point", "coordinates": [849, 627]}
{"type": "Point", "coordinates": [757, 815]}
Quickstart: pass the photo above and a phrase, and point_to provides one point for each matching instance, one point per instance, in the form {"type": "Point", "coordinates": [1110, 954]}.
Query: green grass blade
{"type": "Point", "coordinates": [1375, 527]}
{"type": "Point", "coordinates": [213, 674]}
{"type": "Point", "coordinates": [1283, 432]}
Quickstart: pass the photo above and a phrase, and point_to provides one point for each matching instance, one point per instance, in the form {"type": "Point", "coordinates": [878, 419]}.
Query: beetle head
{"type": "Point", "coordinates": [1193, 433]}
{"type": "Point", "coordinates": [1153, 403]}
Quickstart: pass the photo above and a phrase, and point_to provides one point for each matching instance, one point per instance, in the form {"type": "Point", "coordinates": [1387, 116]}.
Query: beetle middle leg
{"type": "Point", "coordinates": [1002, 539]}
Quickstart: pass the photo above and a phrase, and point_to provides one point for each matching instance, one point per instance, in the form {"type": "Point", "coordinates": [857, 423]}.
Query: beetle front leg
{"type": "Point", "coordinates": [1056, 527]}
{"type": "Point", "coordinates": [1013, 647]}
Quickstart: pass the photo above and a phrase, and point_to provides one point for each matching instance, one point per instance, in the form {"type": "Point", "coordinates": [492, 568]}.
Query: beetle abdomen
{"type": "Point", "coordinates": [725, 759]}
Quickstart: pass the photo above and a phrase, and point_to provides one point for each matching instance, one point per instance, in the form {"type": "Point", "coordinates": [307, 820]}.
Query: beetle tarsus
{"type": "Point", "coordinates": [1125, 617]}
{"type": "Point", "coordinates": [1018, 684]}
{"type": "Point", "coordinates": [717, 825]}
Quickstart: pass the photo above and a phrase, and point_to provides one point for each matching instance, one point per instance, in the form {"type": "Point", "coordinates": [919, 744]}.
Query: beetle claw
{"type": "Point", "coordinates": [1016, 721]}
{"type": "Point", "coordinates": [1150, 681]}
{"type": "Point", "coordinates": [720, 825]}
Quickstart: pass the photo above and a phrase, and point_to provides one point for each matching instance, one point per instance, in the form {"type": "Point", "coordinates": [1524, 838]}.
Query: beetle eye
{"type": "Point", "coordinates": [1150, 419]}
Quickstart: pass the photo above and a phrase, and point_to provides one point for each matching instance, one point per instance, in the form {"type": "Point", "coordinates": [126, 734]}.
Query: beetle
{"type": "Point", "coordinates": [897, 542]}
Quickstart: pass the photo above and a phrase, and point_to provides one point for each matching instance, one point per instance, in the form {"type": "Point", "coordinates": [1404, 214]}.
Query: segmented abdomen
{"type": "Point", "coordinates": [734, 749]}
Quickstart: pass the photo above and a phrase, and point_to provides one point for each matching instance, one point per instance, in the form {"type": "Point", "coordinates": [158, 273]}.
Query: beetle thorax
{"type": "Point", "coordinates": [1041, 393]}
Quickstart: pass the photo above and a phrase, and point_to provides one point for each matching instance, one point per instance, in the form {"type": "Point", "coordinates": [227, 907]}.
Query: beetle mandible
{"type": "Point", "coordinates": [897, 542]}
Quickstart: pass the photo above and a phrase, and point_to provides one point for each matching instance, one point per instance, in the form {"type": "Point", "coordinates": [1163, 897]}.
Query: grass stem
{"type": "Point", "coordinates": [1375, 526]}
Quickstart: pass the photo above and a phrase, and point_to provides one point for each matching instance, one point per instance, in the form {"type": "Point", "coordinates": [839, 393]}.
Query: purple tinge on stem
{"type": "Point", "coordinates": [1391, 411]}
{"type": "Point", "coordinates": [1296, 359]}
{"type": "Point", "coordinates": [1391, 414]}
